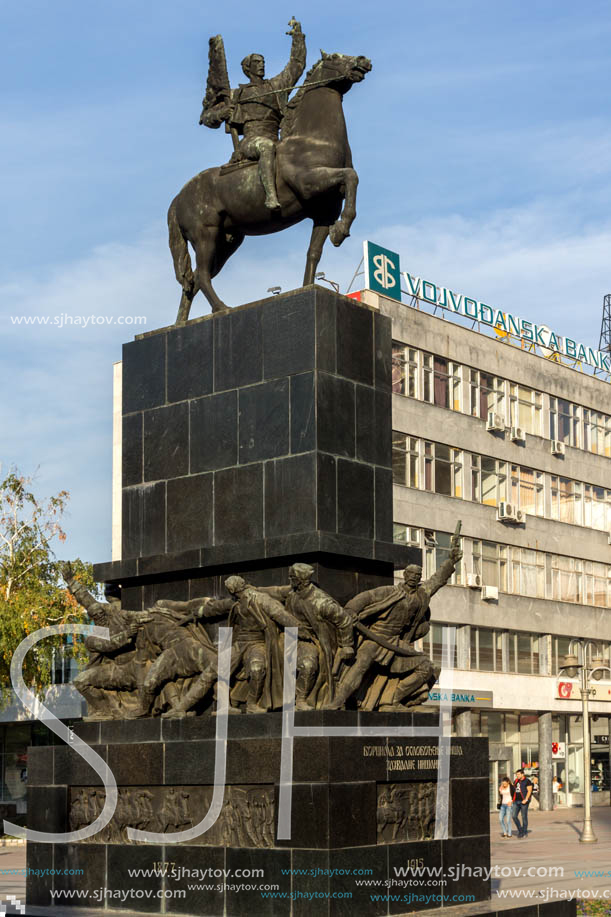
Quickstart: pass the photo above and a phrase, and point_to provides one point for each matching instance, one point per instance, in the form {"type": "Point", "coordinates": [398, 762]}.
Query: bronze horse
{"type": "Point", "coordinates": [314, 175]}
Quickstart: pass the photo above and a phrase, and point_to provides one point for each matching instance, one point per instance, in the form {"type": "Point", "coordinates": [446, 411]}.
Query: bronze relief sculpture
{"type": "Point", "coordinates": [162, 661]}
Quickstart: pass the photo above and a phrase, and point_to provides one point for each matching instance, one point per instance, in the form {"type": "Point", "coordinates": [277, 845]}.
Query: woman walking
{"type": "Point", "coordinates": [505, 799]}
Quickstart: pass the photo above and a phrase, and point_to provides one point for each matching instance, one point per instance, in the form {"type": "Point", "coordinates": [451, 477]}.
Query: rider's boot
{"type": "Point", "coordinates": [267, 171]}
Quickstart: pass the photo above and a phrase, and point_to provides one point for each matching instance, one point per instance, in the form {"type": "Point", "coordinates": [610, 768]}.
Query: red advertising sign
{"type": "Point", "coordinates": [567, 690]}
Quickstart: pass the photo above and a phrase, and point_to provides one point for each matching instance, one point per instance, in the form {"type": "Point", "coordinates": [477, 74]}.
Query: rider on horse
{"type": "Point", "coordinates": [255, 110]}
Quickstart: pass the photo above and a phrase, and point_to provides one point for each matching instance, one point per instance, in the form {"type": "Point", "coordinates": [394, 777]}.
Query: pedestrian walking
{"type": "Point", "coordinates": [504, 805]}
{"type": "Point", "coordinates": [556, 787]}
{"type": "Point", "coordinates": [522, 792]}
{"type": "Point", "coordinates": [534, 800]}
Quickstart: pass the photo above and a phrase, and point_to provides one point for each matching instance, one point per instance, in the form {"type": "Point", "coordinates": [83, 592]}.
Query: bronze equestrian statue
{"type": "Point", "coordinates": [268, 185]}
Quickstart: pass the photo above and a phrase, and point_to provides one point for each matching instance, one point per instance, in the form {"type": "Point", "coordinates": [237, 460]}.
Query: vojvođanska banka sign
{"type": "Point", "coordinates": [539, 335]}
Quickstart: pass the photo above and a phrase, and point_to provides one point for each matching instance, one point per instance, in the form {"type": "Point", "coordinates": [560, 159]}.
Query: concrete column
{"type": "Point", "coordinates": [117, 457]}
{"type": "Point", "coordinates": [546, 799]}
{"type": "Point", "coordinates": [545, 654]}
{"type": "Point", "coordinates": [463, 647]}
{"type": "Point", "coordinates": [463, 723]}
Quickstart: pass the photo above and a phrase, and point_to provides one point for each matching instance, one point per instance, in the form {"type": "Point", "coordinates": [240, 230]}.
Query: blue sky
{"type": "Point", "coordinates": [482, 139]}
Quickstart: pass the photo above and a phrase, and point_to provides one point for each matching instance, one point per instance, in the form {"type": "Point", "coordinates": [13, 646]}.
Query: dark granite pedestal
{"type": "Point", "coordinates": [254, 439]}
{"type": "Point", "coordinates": [363, 809]}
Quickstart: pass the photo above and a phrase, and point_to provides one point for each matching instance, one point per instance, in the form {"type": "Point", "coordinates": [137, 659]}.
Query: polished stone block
{"type": "Point", "coordinates": [88, 858]}
{"type": "Point", "coordinates": [466, 854]}
{"type": "Point", "coordinates": [166, 442]}
{"type": "Point", "coordinates": [190, 523]}
{"type": "Point", "coordinates": [39, 857]}
{"type": "Point", "coordinates": [132, 438]}
{"type": "Point", "coordinates": [190, 371]}
{"type": "Point", "coordinates": [303, 413]}
{"type": "Point", "coordinates": [469, 807]}
{"type": "Point", "coordinates": [214, 432]}
{"type": "Point", "coordinates": [120, 875]}
{"type": "Point", "coordinates": [144, 370]}
{"type": "Point", "coordinates": [289, 335]}
{"type": "Point", "coordinates": [247, 903]}
{"type": "Point", "coordinates": [336, 415]}
{"type": "Point", "coordinates": [40, 763]}
{"type": "Point", "coordinates": [188, 863]}
{"type": "Point", "coordinates": [47, 808]}
{"type": "Point", "coordinates": [238, 505]}
{"type": "Point", "coordinates": [263, 412]}
{"type": "Point", "coordinates": [355, 499]}
{"type": "Point", "coordinates": [238, 340]}
{"type": "Point", "coordinates": [290, 505]}
{"type": "Point", "coordinates": [416, 855]}
{"type": "Point", "coordinates": [355, 353]}
{"type": "Point", "coordinates": [144, 520]}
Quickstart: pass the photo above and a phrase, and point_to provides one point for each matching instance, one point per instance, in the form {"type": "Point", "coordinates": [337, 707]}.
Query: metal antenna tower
{"type": "Point", "coordinates": [605, 328]}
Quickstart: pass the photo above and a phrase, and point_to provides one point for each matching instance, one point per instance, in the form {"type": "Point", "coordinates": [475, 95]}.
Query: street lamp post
{"type": "Point", "coordinates": [573, 663]}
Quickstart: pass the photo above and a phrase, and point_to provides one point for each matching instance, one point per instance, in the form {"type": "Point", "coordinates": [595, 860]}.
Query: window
{"type": "Point", "coordinates": [405, 534]}
{"type": "Point", "coordinates": [566, 500]}
{"type": "Point", "coordinates": [597, 585]}
{"type": "Point", "coordinates": [405, 370]}
{"type": "Point", "coordinates": [485, 650]}
{"type": "Point", "coordinates": [405, 460]}
{"type": "Point", "coordinates": [525, 408]}
{"type": "Point", "coordinates": [597, 507]}
{"type": "Point", "coordinates": [487, 393]}
{"type": "Point", "coordinates": [566, 578]}
{"type": "Point", "coordinates": [560, 649]}
{"type": "Point", "coordinates": [441, 381]}
{"type": "Point", "coordinates": [527, 490]}
{"type": "Point", "coordinates": [443, 470]}
{"type": "Point", "coordinates": [488, 480]}
{"type": "Point", "coordinates": [527, 572]}
{"type": "Point", "coordinates": [490, 561]}
{"type": "Point", "coordinates": [564, 422]}
{"type": "Point", "coordinates": [596, 432]}
{"type": "Point", "coordinates": [523, 653]}
{"type": "Point", "coordinates": [433, 643]}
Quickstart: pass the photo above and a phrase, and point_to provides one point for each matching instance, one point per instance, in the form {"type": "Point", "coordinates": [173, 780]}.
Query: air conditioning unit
{"type": "Point", "coordinates": [609, 538]}
{"type": "Point", "coordinates": [490, 594]}
{"type": "Point", "coordinates": [521, 516]}
{"type": "Point", "coordinates": [518, 435]}
{"type": "Point", "coordinates": [506, 512]}
{"type": "Point", "coordinates": [495, 422]}
{"type": "Point", "coordinates": [557, 447]}
{"type": "Point", "coordinates": [474, 580]}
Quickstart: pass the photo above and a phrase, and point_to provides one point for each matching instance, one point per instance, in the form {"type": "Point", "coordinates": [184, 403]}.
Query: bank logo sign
{"type": "Point", "coordinates": [382, 275]}
{"type": "Point", "coordinates": [382, 270]}
{"type": "Point", "coordinates": [461, 697]}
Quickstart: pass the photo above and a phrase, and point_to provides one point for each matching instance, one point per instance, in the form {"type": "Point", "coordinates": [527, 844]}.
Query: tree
{"type": "Point", "coordinates": [31, 591]}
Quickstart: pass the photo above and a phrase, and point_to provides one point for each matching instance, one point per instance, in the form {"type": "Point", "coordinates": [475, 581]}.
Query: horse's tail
{"type": "Point", "coordinates": [180, 251]}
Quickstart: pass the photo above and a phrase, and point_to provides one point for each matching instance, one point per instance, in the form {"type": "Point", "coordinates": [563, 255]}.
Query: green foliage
{"type": "Point", "coordinates": [593, 908]}
{"type": "Point", "coordinates": [31, 591]}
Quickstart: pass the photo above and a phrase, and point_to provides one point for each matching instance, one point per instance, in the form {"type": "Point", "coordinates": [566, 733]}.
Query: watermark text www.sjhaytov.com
{"type": "Point", "coordinates": [77, 321]}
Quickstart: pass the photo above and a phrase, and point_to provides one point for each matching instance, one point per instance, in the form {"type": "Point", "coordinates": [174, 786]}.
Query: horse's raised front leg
{"type": "Point", "coordinates": [317, 241]}
{"type": "Point", "coordinates": [341, 228]}
{"type": "Point", "coordinates": [310, 183]}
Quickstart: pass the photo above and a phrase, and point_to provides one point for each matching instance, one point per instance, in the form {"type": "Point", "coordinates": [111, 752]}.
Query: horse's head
{"type": "Point", "coordinates": [342, 70]}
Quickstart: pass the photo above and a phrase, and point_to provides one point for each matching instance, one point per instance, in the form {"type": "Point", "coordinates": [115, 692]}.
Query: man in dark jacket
{"type": "Point", "coordinates": [522, 793]}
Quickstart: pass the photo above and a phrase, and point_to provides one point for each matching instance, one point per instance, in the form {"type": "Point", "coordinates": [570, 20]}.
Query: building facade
{"type": "Point", "coordinates": [518, 447]}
